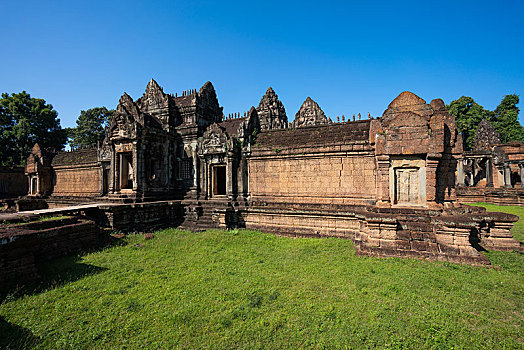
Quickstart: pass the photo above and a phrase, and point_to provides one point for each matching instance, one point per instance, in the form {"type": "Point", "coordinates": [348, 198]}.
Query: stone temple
{"type": "Point", "coordinates": [387, 183]}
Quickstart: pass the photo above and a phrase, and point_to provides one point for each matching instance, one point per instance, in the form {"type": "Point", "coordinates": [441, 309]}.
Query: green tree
{"type": "Point", "coordinates": [24, 122]}
{"type": "Point", "coordinates": [90, 127]}
{"type": "Point", "coordinates": [505, 119]}
{"type": "Point", "coordinates": [468, 115]}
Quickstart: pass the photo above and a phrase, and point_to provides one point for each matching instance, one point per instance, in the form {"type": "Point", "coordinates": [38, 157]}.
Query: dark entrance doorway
{"type": "Point", "coordinates": [219, 180]}
{"type": "Point", "coordinates": [126, 170]}
{"type": "Point", "coordinates": [105, 181]}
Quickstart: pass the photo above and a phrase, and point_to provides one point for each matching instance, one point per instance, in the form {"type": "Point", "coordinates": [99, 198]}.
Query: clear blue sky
{"type": "Point", "coordinates": [349, 56]}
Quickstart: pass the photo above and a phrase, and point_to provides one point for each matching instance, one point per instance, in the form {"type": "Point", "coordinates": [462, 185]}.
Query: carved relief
{"type": "Point", "coordinates": [271, 112]}
{"type": "Point", "coordinates": [486, 136]}
{"type": "Point", "coordinates": [124, 122]}
{"type": "Point", "coordinates": [214, 140]}
{"type": "Point", "coordinates": [309, 114]}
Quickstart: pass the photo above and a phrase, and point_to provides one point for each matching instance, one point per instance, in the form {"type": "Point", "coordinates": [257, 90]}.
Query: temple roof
{"type": "Point", "coordinates": [231, 125]}
{"type": "Point", "coordinates": [327, 134]}
{"type": "Point", "coordinates": [81, 156]}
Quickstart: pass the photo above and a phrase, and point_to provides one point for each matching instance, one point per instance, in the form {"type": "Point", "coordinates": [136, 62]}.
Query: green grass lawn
{"type": "Point", "coordinates": [243, 289]}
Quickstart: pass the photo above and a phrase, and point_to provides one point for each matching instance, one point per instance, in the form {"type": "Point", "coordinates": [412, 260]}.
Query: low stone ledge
{"type": "Point", "coordinates": [429, 234]}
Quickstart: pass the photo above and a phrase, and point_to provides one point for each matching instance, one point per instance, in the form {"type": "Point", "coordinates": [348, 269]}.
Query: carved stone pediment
{"type": "Point", "coordinates": [125, 120]}
{"type": "Point", "coordinates": [214, 140]}
{"type": "Point", "coordinates": [271, 112]}
{"type": "Point", "coordinates": [486, 136]}
{"type": "Point", "coordinates": [104, 152]}
{"type": "Point", "coordinates": [310, 114]}
{"type": "Point", "coordinates": [499, 156]}
{"type": "Point", "coordinates": [127, 106]}
{"type": "Point", "coordinates": [123, 127]}
{"type": "Point", "coordinates": [207, 103]}
{"type": "Point", "coordinates": [154, 98]}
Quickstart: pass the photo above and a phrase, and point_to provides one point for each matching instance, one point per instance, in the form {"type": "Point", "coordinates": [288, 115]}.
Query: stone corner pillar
{"type": "Point", "coordinates": [382, 178]}
{"type": "Point", "coordinates": [507, 175]}
{"type": "Point", "coordinates": [489, 172]}
{"type": "Point", "coordinates": [137, 169]}
{"type": "Point", "coordinates": [460, 172]}
{"type": "Point", "coordinates": [229, 176]}
{"type": "Point", "coordinates": [432, 162]}
{"type": "Point", "coordinates": [521, 171]}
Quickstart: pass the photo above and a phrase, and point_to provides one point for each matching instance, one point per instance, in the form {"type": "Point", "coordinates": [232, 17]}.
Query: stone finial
{"type": "Point", "coordinates": [126, 105]}
{"type": "Point", "coordinates": [153, 87]}
{"type": "Point", "coordinates": [369, 115]}
{"type": "Point", "coordinates": [271, 111]}
{"type": "Point", "coordinates": [486, 136]}
{"type": "Point", "coordinates": [338, 119]}
{"type": "Point", "coordinates": [359, 116]}
{"type": "Point", "coordinates": [309, 114]}
{"type": "Point", "coordinates": [343, 118]}
{"type": "Point", "coordinates": [353, 117]}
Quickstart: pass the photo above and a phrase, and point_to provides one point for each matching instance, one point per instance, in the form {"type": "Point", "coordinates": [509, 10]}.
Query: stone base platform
{"type": "Point", "coordinates": [457, 235]}
{"type": "Point", "coordinates": [499, 196]}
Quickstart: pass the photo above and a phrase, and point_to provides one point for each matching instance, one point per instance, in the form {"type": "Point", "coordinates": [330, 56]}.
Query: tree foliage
{"type": "Point", "coordinates": [90, 127]}
{"type": "Point", "coordinates": [25, 121]}
{"type": "Point", "coordinates": [469, 113]}
{"type": "Point", "coordinates": [505, 119]}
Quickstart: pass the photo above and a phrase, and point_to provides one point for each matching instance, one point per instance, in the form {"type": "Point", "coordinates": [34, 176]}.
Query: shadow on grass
{"type": "Point", "coordinates": [16, 337]}
{"type": "Point", "coordinates": [54, 273]}
{"type": "Point", "coordinates": [57, 272]}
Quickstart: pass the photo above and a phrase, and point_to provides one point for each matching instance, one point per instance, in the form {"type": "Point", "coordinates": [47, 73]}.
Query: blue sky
{"type": "Point", "coordinates": [349, 56]}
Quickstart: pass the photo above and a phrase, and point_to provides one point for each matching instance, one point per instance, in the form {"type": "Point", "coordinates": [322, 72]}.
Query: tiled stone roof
{"type": "Point", "coordinates": [329, 134]}
{"type": "Point", "coordinates": [81, 156]}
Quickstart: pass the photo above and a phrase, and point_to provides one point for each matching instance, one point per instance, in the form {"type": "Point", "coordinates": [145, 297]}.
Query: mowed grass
{"type": "Point", "coordinates": [243, 289]}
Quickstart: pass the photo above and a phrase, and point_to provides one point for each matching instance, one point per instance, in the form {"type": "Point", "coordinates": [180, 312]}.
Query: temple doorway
{"type": "Point", "coordinates": [34, 185]}
{"type": "Point", "coordinates": [407, 186]}
{"type": "Point", "coordinates": [105, 181]}
{"type": "Point", "coordinates": [126, 170]}
{"type": "Point", "coordinates": [219, 180]}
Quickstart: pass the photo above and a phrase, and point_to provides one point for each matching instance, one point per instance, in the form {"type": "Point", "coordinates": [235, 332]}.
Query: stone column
{"type": "Point", "coordinates": [521, 170]}
{"type": "Point", "coordinates": [382, 175]}
{"type": "Point", "coordinates": [460, 172]}
{"type": "Point", "coordinates": [103, 179]}
{"type": "Point", "coordinates": [229, 175]}
{"type": "Point", "coordinates": [489, 173]}
{"type": "Point", "coordinates": [201, 171]}
{"type": "Point", "coordinates": [117, 173]}
{"type": "Point", "coordinates": [195, 166]}
{"type": "Point", "coordinates": [112, 163]}
{"type": "Point", "coordinates": [136, 171]}
{"type": "Point", "coordinates": [431, 177]}
{"type": "Point", "coordinates": [507, 175]}
{"type": "Point", "coordinates": [473, 171]}
{"type": "Point", "coordinates": [167, 163]}
{"type": "Point", "coordinates": [209, 180]}
{"type": "Point", "coordinates": [240, 175]}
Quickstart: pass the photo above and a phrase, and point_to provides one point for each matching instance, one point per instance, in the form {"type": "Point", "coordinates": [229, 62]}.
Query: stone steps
{"type": "Point", "coordinates": [205, 221]}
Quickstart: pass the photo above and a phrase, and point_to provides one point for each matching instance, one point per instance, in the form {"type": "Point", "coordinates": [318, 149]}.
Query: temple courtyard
{"type": "Point", "coordinates": [247, 289]}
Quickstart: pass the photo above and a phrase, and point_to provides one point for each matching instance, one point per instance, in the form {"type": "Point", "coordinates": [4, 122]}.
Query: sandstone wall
{"type": "Point", "coordinates": [77, 181]}
{"type": "Point", "coordinates": [334, 178]}
{"type": "Point", "coordinates": [76, 174]}
{"type": "Point", "coordinates": [13, 182]}
{"type": "Point", "coordinates": [330, 164]}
